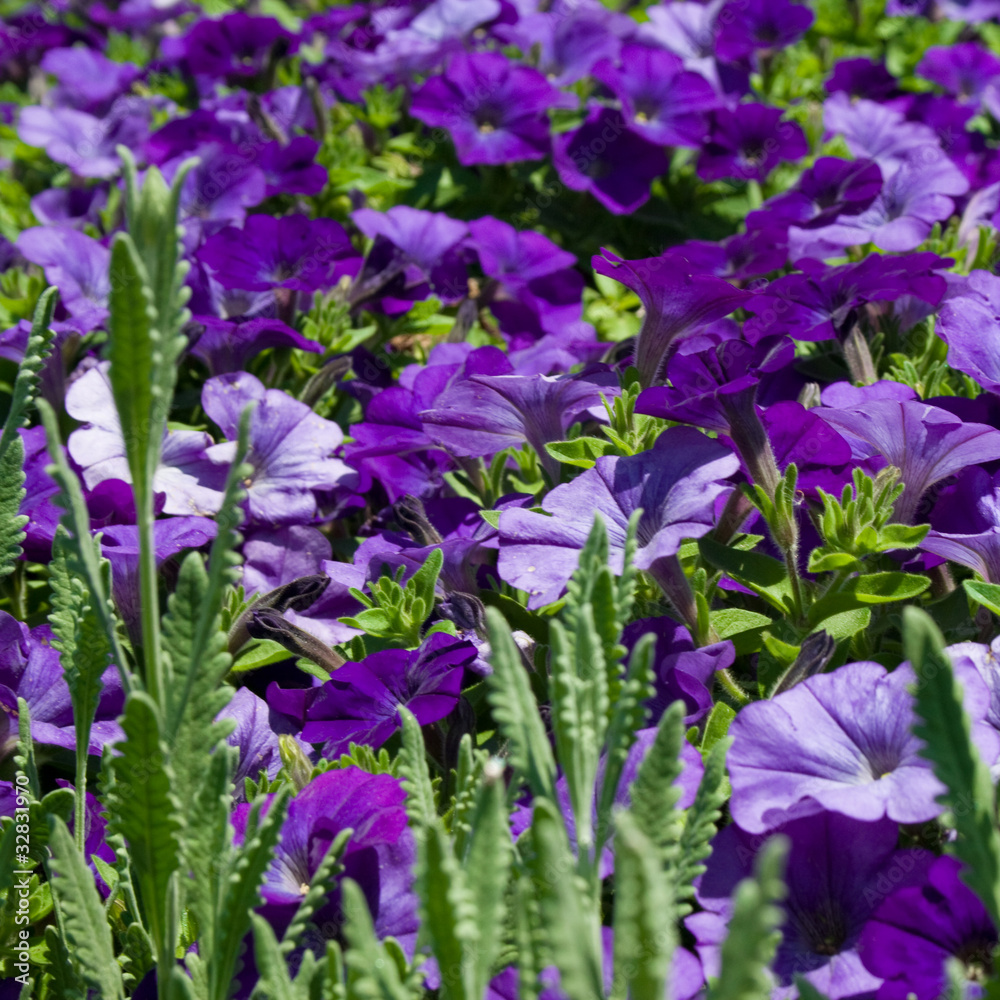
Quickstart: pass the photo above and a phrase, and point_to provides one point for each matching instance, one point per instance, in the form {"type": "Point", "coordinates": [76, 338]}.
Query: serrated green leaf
{"type": "Point", "coordinates": [82, 918]}
{"type": "Point", "coordinates": [370, 973]}
{"type": "Point", "coordinates": [644, 919]}
{"type": "Point", "coordinates": [717, 725]}
{"type": "Point", "coordinates": [516, 711]}
{"type": "Point", "coordinates": [421, 809]}
{"type": "Point", "coordinates": [753, 933]}
{"type": "Point", "coordinates": [945, 728]}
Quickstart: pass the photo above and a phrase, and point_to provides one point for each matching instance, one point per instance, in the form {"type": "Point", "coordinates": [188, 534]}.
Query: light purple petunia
{"type": "Point", "coordinates": [969, 323]}
{"type": "Point", "coordinates": [676, 483]}
{"type": "Point", "coordinates": [291, 448]}
{"type": "Point", "coordinates": [842, 741]}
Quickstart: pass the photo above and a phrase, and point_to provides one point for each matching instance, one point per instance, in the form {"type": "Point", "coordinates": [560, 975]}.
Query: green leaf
{"type": "Point", "coordinates": [645, 937]}
{"type": "Point", "coordinates": [487, 870]}
{"type": "Point", "coordinates": [448, 914]}
{"type": "Point", "coordinates": [946, 731]}
{"type": "Point", "coordinates": [275, 982]}
{"type": "Point", "coordinates": [717, 725]}
{"type": "Point", "coordinates": [986, 594]}
{"type": "Point", "coordinates": [700, 822]}
{"type": "Point", "coordinates": [260, 653]}
{"type": "Point", "coordinates": [11, 496]}
{"type": "Point", "coordinates": [492, 518]}
{"type": "Point", "coordinates": [421, 809]}
{"type": "Point", "coordinates": [753, 934]}
{"type": "Point", "coordinates": [569, 917]}
{"type": "Point", "coordinates": [764, 575]}
{"type": "Point", "coordinates": [370, 973]}
{"type": "Point", "coordinates": [142, 808]}
{"type": "Point", "coordinates": [320, 887]}
{"type": "Point", "coordinates": [581, 451]}
{"type": "Point", "coordinates": [728, 622]}
{"type": "Point", "coordinates": [516, 711]}
{"type": "Point", "coordinates": [653, 794]}
{"type": "Point", "coordinates": [871, 588]}
{"type": "Point", "coordinates": [82, 918]}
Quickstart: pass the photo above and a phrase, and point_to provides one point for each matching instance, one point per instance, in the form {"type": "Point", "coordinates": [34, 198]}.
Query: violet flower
{"type": "Point", "coordinates": [379, 855]}
{"type": "Point", "coordinates": [275, 556]}
{"type": "Point", "coordinates": [360, 703]}
{"type": "Point", "coordinates": [191, 482]}
{"type": "Point", "coordinates": [919, 927]}
{"type": "Point", "coordinates": [291, 448]}
{"type": "Point", "coordinates": [290, 252]}
{"type": "Point", "coordinates": [842, 741]}
{"type": "Point", "coordinates": [88, 80]}
{"type": "Point", "coordinates": [487, 413]}
{"type": "Point", "coordinates": [494, 109]}
{"type": "Point", "coordinates": [676, 302]}
{"type": "Point", "coordinates": [675, 483]}
{"type": "Point", "coordinates": [30, 669]}
{"type": "Point", "coordinates": [610, 160]}
{"type": "Point", "coordinates": [962, 70]}
{"type": "Point", "coordinates": [226, 347]}
{"type": "Point", "coordinates": [970, 515]}
{"type": "Point", "coordinates": [747, 26]}
{"type": "Point", "coordinates": [659, 98]}
{"type": "Point", "coordinates": [838, 872]}
{"type": "Point", "coordinates": [972, 311]}
{"type": "Point", "coordinates": [926, 443]}
{"type": "Point", "coordinates": [748, 142]}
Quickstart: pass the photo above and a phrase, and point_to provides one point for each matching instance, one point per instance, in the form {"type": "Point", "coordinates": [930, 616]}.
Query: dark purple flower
{"type": "Point", "coordinates": [919, 927]}
{"type": "Point", "coordinates": [610, 160]}
{"type": "Point", "coordinates": [659, 98]}
{"type": "Point", "coordinates": [292, 168]}
{"type": "Point", "coordinates": [360, 703]}
{"type": "Point", "coordinates": [747, 26]}
{"type": "Point", "coordinates": [838, 872]}
{"type": "Point", "coordinates": [820, 303]}
{"type": "Point", "coordinates": [485, 414]}
{"type": "Point", "coordinates": [494, 109]}
{"type": "Point", "coordinates": [290, 252]}
{"type": "Point", "coordinates": [962, 70]}
{"type": "Point", "coordinates": [69, 206]}
{"type": "Point", "coordinates": [926, 443]}
{"type": "Point", "coordinates": [379, 854]}
{"type": "Point", "coordinates": [415, 254]}
{"type": "Point", "coordinates": [237, 45]}
{"type": "Point", "coordinates": [748, 142]}
{"type": "Point", "coordinates": [676, 302]}
{"type": "Point", "coordinates": [842, 741]}
{"type": "Point", "coordinates": [225, 346]}
{"type": "Point", "coordinates": [30, 669]}
{"type": "Point", "coordinates": [970, 518]}
{"type": "Point", "coordinates": [675, 483]}
{"type": "Point", "coordinates": [737, 258]}
{"type": "Point", "coordinates": [291, 448]}
{"type": "Point", "coordinates": [681, 671]}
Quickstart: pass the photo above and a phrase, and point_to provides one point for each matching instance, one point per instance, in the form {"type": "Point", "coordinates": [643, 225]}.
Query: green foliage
{"type": "Point", "coordinates": [11, 448]}
{"type": "Point", "coordinates": [144, 810]}
{"type": "Point", "coordinates": [395, 613]}
{"type": "Point", "coordinates": [753, 929]}
{"type": "Point", "coordinates": [858, 526]}
{"type": "Point", "coordinates": [82, 923]}
{"type": "Point", "coordinates": [946, 730]}
{"type": "Point", "coordinates": [516, 711]}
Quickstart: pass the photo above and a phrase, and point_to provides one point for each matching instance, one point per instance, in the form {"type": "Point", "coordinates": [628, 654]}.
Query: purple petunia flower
{"type": "Point", "coordinates": [676, 302]}
{"type": "Point", "coordinates": [494, 109]}
{"type": "Point", "coordinates": [88, 80]}
{"type": "Point", "coordinates": [748, 142]}
{"type": "Point", "coordinates": [962, 70]}
{"type": "Point", "coordinates": [969, 323]}
{"type": "Point", "coordinates": [30, 669]}
{"type": "Point", "coordinates": [237, 45]}
{"type": "Point", "coordinates": [360, 703]}
{"type": "Point", "coordinates": [675, 483]}
{"type": "Point", "coordinates": [225, 346]}
{"type": "Point", "coordinates": [291, 448]}
{"type": "Point", "coordinates": [610, 160]}
{"type": "Point", "coordinates": [274, 556]}
{"type": "Point", "coordinates": [485, 414]}
{"type": "Point", "coordinates": [747, 26]}
{"type": "Point", "coordinates": [862, 78]}
{"type": "Point", "coordinates": [838, 872]}
{"type": "Point", "coordinates": [659, 98]}
{"type": "Point", "coordinates": [415, 254]}
{"type": "Point", "coordinates": [191, 482]}
{"type": "Point", "coordinates": [842, 741]}
{"type": "Point", "coordinates": [970, 518]}
{"type": "Point", "coordinates": [926, 443]}
{"type": "Point", "coordinates": [290, 252]}
{"type": "Point", "coordinates": [819, 303]}
{"type": "Point", "coordinates": [919, 927]}
{"type": "Point", "coordinates": [379, 854]}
